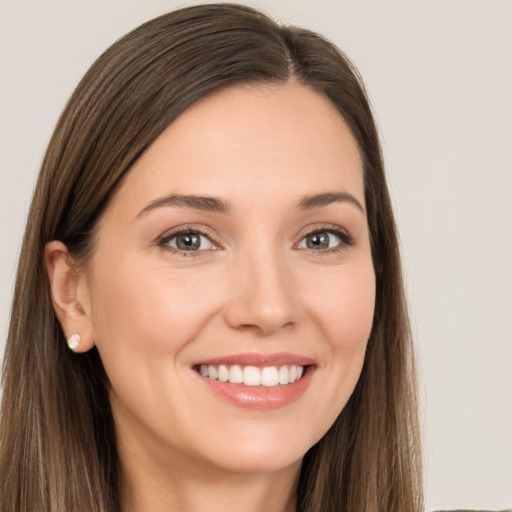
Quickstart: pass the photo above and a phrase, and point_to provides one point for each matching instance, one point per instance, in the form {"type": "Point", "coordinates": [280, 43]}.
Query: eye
{"type": "Point", "coordinates": [188, 241]}
{"type": "Point", "coordinates": [326, 240]}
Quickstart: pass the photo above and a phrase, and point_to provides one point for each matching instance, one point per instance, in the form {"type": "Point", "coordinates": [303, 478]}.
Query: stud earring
{"type": "Point", "coordinates": [74, 341]}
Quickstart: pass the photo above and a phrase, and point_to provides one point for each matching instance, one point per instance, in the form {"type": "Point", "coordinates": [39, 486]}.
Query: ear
{"type": "Point", "coordinates": [70, 295]}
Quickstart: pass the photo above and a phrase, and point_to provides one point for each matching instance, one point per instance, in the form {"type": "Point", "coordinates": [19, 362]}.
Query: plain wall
{"type": "Point", "coordinates": [439, 74]}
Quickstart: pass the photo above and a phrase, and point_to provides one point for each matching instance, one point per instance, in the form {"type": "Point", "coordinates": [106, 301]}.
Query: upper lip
{"type": "Point", "coordinates": [256, 359]}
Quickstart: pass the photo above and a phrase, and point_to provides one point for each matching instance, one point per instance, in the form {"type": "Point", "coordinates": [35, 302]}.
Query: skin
{"type": "Point", "coordinates": [254, 286]}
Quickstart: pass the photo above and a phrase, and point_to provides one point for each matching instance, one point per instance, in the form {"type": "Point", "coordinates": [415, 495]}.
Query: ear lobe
{"type": "Point", "coordinates": [70, 296]}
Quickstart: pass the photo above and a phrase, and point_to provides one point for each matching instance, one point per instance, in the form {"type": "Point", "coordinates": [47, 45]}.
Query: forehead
{"type": "Point", "coordinates": [266, 141]}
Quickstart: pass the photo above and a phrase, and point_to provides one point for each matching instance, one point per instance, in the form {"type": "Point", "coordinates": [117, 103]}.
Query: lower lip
{"type": "Point", "coordinates": [260, 397]}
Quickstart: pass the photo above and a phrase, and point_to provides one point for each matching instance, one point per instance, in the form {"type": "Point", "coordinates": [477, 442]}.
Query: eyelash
{"type": "Point", "coordinates": [346, 240]}
{"type": "Point", "coordinates": [165, 239]}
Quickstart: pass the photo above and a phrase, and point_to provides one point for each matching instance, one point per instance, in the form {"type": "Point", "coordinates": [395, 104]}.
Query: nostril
{"type": "Point", "coordinates": [262, 300]}
{"type": "Point", "coordinates": [263, 329]}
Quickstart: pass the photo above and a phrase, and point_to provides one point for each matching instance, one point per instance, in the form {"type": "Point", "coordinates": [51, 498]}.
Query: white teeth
{"type": "Point", "coordinates": [223, 373]}
{"type": "Point", "coordinates": [269, 376]}
{"type": "Point", "coordinates": [252, 376]}
{"type": "Point", "coordinates": [283, 375]}
{"type": "Point", "coordinates": [212, 372]}
{"type": "Point", "coordinates": [236, 375]}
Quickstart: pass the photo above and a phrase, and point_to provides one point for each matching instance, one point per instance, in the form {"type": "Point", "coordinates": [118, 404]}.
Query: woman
{"type": "Point", "coordinates": [209, 309]}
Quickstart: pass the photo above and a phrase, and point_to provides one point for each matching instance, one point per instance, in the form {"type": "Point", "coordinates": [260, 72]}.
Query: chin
{"type": "Point", "coordinates": [258, 454]}
{"type": "Point", "coordinates": [247, 463]}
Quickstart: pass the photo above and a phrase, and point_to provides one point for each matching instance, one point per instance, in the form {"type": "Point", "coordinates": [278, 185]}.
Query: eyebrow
{"type": "Point", "coordinates": [205, 204]}
{"type": "Point", "coordinates": [327, 198]}
{"type": "Point", "coordinates": [216, 205]}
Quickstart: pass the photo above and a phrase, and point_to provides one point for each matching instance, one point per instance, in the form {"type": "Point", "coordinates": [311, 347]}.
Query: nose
{"type": "Point", "coordinates": [262, 297]}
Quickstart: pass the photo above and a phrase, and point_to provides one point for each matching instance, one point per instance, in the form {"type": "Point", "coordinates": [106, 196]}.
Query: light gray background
{"type": "Point", "coordinates": [440, 76]}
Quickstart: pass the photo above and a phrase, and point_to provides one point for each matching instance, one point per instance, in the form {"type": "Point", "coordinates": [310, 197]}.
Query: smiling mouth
{"type": "Point", "coordinates": [253, 376]}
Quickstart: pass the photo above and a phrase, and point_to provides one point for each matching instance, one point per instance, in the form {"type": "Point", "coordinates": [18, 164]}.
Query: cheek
{"type": "Point", "coordinates": [148, 310]}
{"type": "Point", "coordinates": [344, 308]}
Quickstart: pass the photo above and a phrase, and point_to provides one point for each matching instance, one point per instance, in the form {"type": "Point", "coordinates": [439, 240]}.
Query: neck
{"type": "Point", "coordinates": [214, 490]}
{"type": "Point", "coordinates": [178, 483]}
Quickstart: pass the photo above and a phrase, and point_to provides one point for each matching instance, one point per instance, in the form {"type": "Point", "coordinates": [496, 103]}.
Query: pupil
{"type": "Point", "coordinates": [318, 241]}
{"type": "Point", "coordinates": [188, 241]}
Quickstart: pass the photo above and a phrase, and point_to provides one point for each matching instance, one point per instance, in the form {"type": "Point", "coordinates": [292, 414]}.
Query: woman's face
{"type": "Point", "coordinates": [236, 249]}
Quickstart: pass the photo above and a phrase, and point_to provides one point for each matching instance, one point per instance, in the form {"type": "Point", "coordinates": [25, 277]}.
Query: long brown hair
{"type": "Point", "coordinates": [58, 449]}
